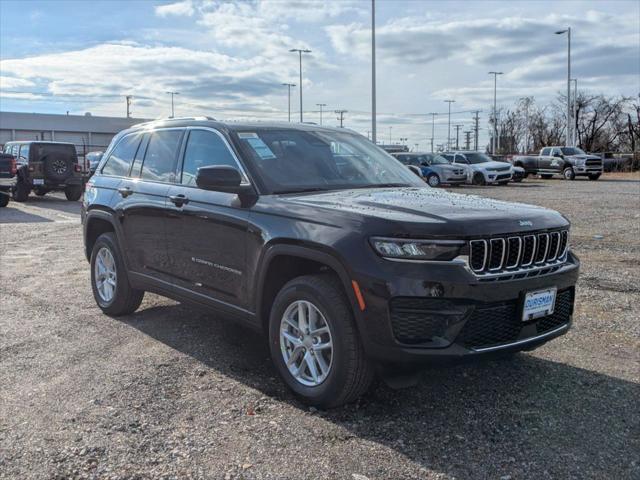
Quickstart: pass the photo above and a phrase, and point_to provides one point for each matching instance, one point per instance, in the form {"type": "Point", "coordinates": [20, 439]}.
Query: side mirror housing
{"type": "Point", "coordinates": [220, 178]}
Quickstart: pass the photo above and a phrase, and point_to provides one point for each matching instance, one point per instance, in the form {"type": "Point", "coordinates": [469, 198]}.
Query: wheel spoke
{"type": "Point", "coordinates": [311, 363]}
{"type": "Point", "coordinates": [302, 317]}
{"type": "Point", "coordinates": [323, 346]}
{"type": "Point", "coordinates": [319, 331]}
{"type": "Point", "coordinates": [295, 341]}
{"type": "Point", "coordinates": [322, 363]}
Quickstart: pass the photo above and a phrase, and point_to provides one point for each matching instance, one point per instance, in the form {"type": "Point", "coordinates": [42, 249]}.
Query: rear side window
{"type": "Point", "coordinates": [119, 161]}
{"type": "Point", "coordinates": [162, 152]}
{"type": "Point", "coordinates": [24, 152]}
{"type": "Point", "coordinates": [204, 149]}
{"type": "Point", "coordinates": [546, 151]}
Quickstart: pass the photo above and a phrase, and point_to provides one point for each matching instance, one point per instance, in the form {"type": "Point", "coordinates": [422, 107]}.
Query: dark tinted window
{"type": "Point", "coordinates": [119, 161]}
{"type": "Point", "coordinates": [546, 151]}
{"type": "Point", "coordinates": [160, 160]}
{"type": "Point", "coordinates": [24, 152]}
{"type": "Point", "coordinates": [204, 149]}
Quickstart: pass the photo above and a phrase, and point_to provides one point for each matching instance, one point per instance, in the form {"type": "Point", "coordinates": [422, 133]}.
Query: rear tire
{"type": "Point", "coordinates": [123, 299]}
{"type": "Point", "coordinates": [73, 193]}
{"type": "Point", "coordinates": [433, 180]}
{"type": "Point", "coordinates": [21, 191]}
{"type": "Point", "coordinates": [349, 372]}
{"type": "Point", "coordinates": [478, 179]}
{"type": "Point", "coordinates": [594, 177]}
{"type": "Point", "coordinates": [4, 199]}
{"type": "Point", "coordinates": [568, 174]}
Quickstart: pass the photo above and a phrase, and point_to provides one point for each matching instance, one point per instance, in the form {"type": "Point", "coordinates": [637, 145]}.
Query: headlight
{"type": "Point", "coordinates": [580, 161]}
{"type": "Point", "coordinates": [408, 249]}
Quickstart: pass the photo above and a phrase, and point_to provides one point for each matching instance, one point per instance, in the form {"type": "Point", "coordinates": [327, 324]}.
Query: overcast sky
{"type": "Point", "coordinates": [229, 59]}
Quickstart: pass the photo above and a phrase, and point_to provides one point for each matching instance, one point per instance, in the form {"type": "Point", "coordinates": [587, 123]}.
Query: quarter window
{"type": "Point", "coordinates": [119, 161]}
{"type": "Point", "coordinates": [162, 152]}
{"type": "Point", "coordinates": [546, 151]}
{"type": "Point", "coordinates": [204, 149]}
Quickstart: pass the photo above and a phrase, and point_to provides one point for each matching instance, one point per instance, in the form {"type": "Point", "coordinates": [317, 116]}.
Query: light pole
{"type": "Point", "coordinates": [289, 85]}
{"type": "Point", "coordinates": [341, 117]}
{"type": "Point", "coordinates": [128, 97]}
{"type": "Point", "coordinates": [495, 111]}
{"type": "Point", "coordinates": [568, 32]}
{"type": "Point", "coordinates": [575, 112]}
{"type": "Point", "coordinates": [433, 127]}
{"type": "Point", "coordinates": [321, 105]}
{"type": "Point", "coordinates": [172, 95]}
{"type": "Point", "coordinates": [300, 52]}
{"type": "Point", "coordinates": [449, 125]}
{"type": "Point", "coordinates": [390, 128]}
{"type": "Point", "coordinates": [373, 71]}
{"type": "Point", "coordinates": [457, 126]}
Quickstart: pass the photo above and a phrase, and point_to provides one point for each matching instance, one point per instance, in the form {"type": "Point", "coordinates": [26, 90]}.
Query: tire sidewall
{"type": "Point", "coordinates": [331, 386]}
{"type": "Point", "coordinates": [434, 177]}
{"type": "Point", "coordinates": [568, 173]}
{"type": "Point", "coordinates": [108, 240]}
{"type": "Point", "coordinates": [478, 179]}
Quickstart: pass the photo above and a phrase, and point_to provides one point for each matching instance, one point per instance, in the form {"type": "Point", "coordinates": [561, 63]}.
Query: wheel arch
{"type": "Point", "coordinates": [283, 262]}
{"type": "Point", "coordinates": [97, 222]}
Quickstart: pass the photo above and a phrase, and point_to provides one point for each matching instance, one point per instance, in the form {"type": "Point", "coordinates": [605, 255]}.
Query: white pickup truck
{"type": "Point", "coordinates": [570, 162]}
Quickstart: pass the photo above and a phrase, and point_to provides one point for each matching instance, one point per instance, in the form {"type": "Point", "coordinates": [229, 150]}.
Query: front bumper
{"type": "Point", "coordinates": [587, 170]}
{"type": "Point", "coordinates": [429, 312]}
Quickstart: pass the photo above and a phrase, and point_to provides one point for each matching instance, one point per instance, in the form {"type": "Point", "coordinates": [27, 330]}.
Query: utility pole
{"type": "Point", "coordinates": [568, 32]}
{"type": "Point", "coordinates": [321, 105]}
{"type": "Point", "coordinates": [458, 125]}
{"type": "Point", "coordinates": [467, 139]}
{"type": "Point", "coordinates": [390, 128]}
{"type": "Point", "coordinates": [449, 125]}
{"type": "Point", "coordinates": [476, 127]}
{"type": "Point", "coordinates": [373, 71]}
{"type": "Point", "coordinates": [128, 98]}
{"type": "Point", "coordinates": [575, 112]}
{"type": "Point", "coordinates": [433, 127]}
{"type": "Point", "coordinates": [172, 95]}
{"type": "Point", "coordinates": [341, 117]}
{"type": "Point", "coordinates": [289, 85]}
{"type": "Point", "coordinates": [495, 111]}
{"type": "Point", "coordinates": [300, 52]}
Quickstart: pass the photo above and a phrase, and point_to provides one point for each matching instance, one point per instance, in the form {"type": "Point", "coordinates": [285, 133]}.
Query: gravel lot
{"type": "Point", "coordinates": [173, 392]}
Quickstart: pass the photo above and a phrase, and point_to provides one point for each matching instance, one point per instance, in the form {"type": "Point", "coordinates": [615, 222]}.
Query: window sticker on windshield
{"type": "Point", "coordinates": [245, 135]}
{"type": "Point", "coordinates": [261, 148]}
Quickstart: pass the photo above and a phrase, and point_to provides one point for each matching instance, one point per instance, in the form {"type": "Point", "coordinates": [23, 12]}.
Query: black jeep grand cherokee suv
{"type": "Point", "coordinates": [327, 244]}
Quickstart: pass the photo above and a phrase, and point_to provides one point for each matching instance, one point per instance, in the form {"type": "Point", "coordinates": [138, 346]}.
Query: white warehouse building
{"type": "Point", "coordinates": [89, 133]}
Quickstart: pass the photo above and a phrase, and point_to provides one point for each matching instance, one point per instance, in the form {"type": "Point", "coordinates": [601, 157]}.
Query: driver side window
{"type": "Point", "coordinates": [204, 149]}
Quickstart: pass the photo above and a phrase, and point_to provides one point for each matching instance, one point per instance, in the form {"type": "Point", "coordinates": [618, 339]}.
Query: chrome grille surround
{"type": "Point", "coordinates": [519, 256]}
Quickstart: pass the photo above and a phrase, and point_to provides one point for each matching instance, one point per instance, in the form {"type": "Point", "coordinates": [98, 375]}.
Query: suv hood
{"type": "Point", "coordinates": [416, 211]}
{"type": "Point", "coordinates": [487, 165]}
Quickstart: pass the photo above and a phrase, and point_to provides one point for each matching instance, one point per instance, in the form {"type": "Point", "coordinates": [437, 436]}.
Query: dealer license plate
{"type": "Point", "coordinates": [38, 181]}
{"type": "Point", "coordinates": [539, 304]}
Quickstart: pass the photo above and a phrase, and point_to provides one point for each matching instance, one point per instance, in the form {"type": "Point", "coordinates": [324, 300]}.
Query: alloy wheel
{"type": "Point", "coordinates": [105, 274]}
{"type": "Point", "coordinates": [306, 343]}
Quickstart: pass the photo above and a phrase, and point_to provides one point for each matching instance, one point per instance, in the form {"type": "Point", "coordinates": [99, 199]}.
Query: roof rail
{"type": "Point", "coordinates": [176, 119]}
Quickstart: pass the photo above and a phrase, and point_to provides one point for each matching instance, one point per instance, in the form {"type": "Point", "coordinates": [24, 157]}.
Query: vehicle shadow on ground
{"type": "Point", "coordinates": [532, 416]}
{"type": "Point", "coordinates": [53, 202]}
{"type": "Point", "coordinates": [10, 214]}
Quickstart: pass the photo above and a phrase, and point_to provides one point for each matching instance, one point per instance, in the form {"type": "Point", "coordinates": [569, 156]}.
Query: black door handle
{"type": "Point", "coordinates": [125, 191]}
{"type": "Point", "coordinates": [179, 200]}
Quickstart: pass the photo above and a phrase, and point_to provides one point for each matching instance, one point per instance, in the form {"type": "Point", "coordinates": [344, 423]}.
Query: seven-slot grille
{"type": "Point", "coordinates": [517, 252]}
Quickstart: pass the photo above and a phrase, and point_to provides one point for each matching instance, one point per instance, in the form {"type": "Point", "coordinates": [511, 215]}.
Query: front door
{"type": "Point", "coordinates": [206, 230]}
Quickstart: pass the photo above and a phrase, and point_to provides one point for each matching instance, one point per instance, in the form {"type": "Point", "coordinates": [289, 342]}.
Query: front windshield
{"type": "Point", "coordinates": [289, 160]}
{"type": "Point", "coordinates": [477, 158]}
{"type": "Point", "coordinates": [572, 151]}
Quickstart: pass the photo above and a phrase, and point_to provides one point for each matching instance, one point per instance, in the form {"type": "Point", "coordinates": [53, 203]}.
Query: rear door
{"type": "Point", "coordinates": [206, 230]}
{"type": "Point", "coordinates": [142, 199]}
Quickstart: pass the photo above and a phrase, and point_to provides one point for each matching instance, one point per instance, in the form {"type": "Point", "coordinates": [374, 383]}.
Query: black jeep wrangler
{"type": "Point", "coordinates": [44, 167]}
{"type": "Point", "coordinates": [341, 256]}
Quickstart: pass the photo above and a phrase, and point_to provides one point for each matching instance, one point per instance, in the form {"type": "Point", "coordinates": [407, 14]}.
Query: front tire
{"type": "Point", "coordinates": [478, 179]}
{"type": "Point", "coordinates": [568, 174]}
{"type": "Point", "coordinates": [433, 180]}
{"type": "Point", "coordinates": [4, 199]}
{"type": "Point", "coordinates": [318, 304]}
{"type": "Point", "coordinates": [21, 191]}
{"type": "Point", "coordinates": [109, 281]}
{"type": "Point", "coordinates": [73, 193]}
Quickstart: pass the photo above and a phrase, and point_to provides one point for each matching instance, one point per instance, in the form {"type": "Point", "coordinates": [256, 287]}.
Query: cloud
{"type": "Point", "coordinates": [14, 82]}
{"type": "Point", "coordinates": [183, 8]}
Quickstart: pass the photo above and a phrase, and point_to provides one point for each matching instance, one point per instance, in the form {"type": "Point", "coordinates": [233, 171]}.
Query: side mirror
{"type": "Point", "coordinates": [219, 178]}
